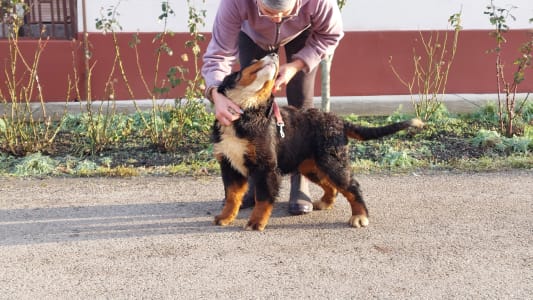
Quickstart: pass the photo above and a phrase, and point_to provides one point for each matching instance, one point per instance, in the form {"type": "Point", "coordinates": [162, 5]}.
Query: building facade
{"type": "Point", "coordinates": [79, 60]}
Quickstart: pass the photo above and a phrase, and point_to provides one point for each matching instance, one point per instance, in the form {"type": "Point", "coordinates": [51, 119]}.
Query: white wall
{"type": "Point", "coordinates": [429, 14]}
{"type": "Point", "coordinates": [142, 15]}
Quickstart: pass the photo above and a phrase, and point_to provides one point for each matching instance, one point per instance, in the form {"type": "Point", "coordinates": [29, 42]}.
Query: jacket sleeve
{"type": "Point", "coordinates": [326, 33]}
{"type": "Point", "coordinates": [222, 50]}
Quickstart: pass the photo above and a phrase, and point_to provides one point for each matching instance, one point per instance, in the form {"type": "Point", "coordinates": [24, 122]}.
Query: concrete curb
{"type": "Point", "coordinates": [359, 105]}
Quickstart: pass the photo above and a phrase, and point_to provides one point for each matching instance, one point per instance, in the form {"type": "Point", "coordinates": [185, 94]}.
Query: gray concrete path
{"type": "Point", "coordinates": [431, 236]}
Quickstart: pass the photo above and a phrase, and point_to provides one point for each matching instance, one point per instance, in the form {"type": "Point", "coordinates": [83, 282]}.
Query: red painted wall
{"type": "Point", "coordinates": [59, 59]}
{"type": "Point", "coordinates": [54, 67]}
{"type": "Point", "coordinates": [360, 65]}
{"type": "Point", "coordinates": [140, 67]}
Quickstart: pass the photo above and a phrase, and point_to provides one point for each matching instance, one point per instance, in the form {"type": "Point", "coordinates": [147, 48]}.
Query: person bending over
{"type": "Point", "coordinates": [247, 30]}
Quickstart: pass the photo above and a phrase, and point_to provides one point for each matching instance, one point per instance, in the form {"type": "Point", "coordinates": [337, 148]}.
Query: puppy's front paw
{"type": "Point", "coordinates": [321, 205]}
{"type": "Point", "coordinates": [260, 215]}
{"type": "Point", "coordinates": [359, 221]}
{"type": "Point", "coordinates": [221, 221]}
{"type": "Point", "coordinates": [254, 226]}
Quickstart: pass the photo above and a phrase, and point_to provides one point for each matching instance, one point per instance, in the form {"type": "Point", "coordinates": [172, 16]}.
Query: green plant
{"type": "Point", "coordinates": [155, 122]}
{"type": "Point", "coordinates": [518, 144]}
{"type": "Point", "coordinates": [394, 158]}
{"type": "Point", "coordinates": [13, 14]}
{"type": "Point", "coordinates": [460, 142]}
{"type": "Point", "coordinates": [98, 122]}
{"type": "Point", "coordinates": [23, 131]}
{"type": "Point", "coordinates": [488, 139]}
{"type": "Point", "coordinates": [6, 162]}
{"type": "Point", "coordinates": [431, 69]}
{"type": "Point", "coordinates": [528, 133]}
{"type": "Point", "coordinates": [97, 131]}
{"type": "Point", "coordinates": [509, 108]}
{"type": "Point", "coordinates": [527, 112]}
{"type": "Point", "coordinates": [341, 3]}
{"type": "Point", "coordinates": [167, 126]}
{"type": "Point", "coordinates": [487, 114]}
{"type": "Point", "coordinates": [108, 23]}
{"type": "Point", "coordinates": [398, 115]}
{"type": "Point", "coordinates": [35, 165]}
{"type": "Point", "coordinates": [189, 111]}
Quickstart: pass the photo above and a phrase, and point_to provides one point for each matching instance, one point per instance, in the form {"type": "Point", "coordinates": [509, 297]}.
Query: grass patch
{"type": "Point", "coordinates": [449, 142]}
{"type": "Point", "coordinates": [35, 165]}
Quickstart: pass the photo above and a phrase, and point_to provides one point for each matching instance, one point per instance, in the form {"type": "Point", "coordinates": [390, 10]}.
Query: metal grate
{"type": "Point", "coordinates": [41, 18]}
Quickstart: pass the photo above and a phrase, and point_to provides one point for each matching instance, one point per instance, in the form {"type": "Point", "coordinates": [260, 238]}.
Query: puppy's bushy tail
{"type": "Point", "coordinates": [369, 133]}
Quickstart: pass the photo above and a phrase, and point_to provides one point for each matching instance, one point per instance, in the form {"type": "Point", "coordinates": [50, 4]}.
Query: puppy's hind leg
{"type": "Point", "coordinates": [235, 186]}
{"type": "Point", "coordinates": [359, 211]}
{"type": "Point", "coordinates": [311, 171]}
{"type": "Point", "coordinates": [328, 198]}
{"type": "Point", "coordinates": [341, 179]}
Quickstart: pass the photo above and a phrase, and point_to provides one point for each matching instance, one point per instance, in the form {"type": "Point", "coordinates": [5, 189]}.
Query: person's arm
{"type": "Point", "coordinates": [327, 31]}
{"type": "Point", "coordinates": [220, 57]}
{"type": "Point", "coordinates": [287, 72]}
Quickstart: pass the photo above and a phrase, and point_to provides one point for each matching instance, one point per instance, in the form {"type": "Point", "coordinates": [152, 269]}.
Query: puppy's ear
{"type": "Point", "coordinates": [238, 77]}
{"type": "Point", "coordinates": [229, 82]}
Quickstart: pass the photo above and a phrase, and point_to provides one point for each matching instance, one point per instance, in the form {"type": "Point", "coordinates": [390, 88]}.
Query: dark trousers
{"type": "Point", "coordinates": [301, 88]}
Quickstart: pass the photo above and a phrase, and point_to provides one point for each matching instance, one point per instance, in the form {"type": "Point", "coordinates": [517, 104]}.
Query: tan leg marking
{"type": "Point", "coordinates": [234, 195]}
{"type": "Point", "coordinates": [330, 192]}
{"type": "Point", "coordinates": [327, 200]}
{"type": "Point", "coordinates": [260, 215]}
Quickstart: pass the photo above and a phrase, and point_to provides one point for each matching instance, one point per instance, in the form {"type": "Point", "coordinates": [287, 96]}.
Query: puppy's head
{"type": "Point", "coordinates": [252, 86]}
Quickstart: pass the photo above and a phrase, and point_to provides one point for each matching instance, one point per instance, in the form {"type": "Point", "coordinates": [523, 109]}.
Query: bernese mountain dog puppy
{"type": "Point", "coordinates": [263, 146]}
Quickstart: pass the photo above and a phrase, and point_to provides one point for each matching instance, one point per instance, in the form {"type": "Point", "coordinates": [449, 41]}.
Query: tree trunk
{"type": "Point", "coordinates": [325, 67]}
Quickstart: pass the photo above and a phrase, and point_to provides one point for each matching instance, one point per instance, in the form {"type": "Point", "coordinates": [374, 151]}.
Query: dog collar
{"type": "Point", "coordinates": [279, 119]}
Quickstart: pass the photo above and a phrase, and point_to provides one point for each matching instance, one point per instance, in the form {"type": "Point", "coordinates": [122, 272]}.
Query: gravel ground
{"type": "Point", "coordinates": [431, 236]}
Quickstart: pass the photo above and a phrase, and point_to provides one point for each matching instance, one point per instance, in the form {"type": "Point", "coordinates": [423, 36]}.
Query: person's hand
{"type": "Point", "coordinates": [287, 72]}
{"type": "Point", "coordinates": [226, 111]}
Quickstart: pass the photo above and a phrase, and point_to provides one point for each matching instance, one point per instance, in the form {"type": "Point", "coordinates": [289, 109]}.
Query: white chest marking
{"type": "Point", "coordinates": [233, 148]}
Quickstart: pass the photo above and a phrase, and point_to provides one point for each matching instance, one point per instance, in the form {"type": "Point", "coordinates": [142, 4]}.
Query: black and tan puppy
{"type": "Point", "coordinates": [315, 144]}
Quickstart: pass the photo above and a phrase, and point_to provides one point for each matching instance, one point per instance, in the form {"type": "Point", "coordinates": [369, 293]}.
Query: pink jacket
{"type": "Point", "coordinates": [321, 16]}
